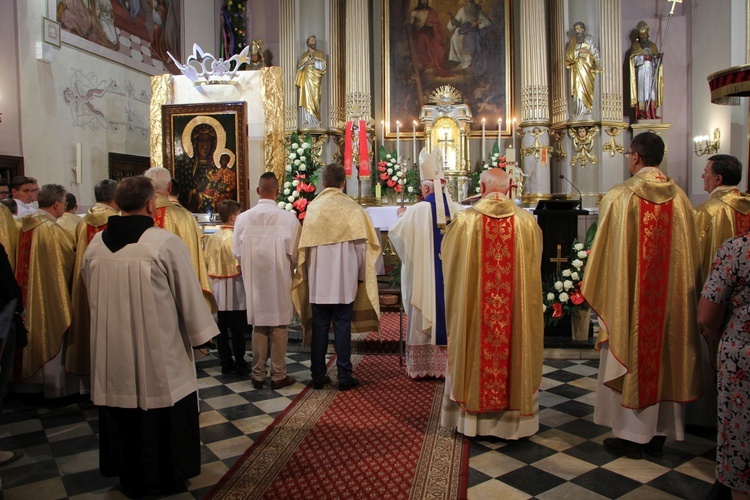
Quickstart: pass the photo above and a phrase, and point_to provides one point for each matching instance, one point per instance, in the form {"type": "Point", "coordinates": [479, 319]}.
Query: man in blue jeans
{"type": "Point", "coordinates": [335, 279]}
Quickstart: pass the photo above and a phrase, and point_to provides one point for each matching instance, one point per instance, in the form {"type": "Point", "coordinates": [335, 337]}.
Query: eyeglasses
{"type": "Point", "coordinates": [629, 153]}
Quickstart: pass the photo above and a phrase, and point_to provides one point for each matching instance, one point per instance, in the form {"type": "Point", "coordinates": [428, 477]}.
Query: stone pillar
{"type": "Point", "coordinates": [288, 61]}
{"type": "Point", "coordinates": [612, 166]}
{"type": "Point", "coordinates": [335, 67]}
{"type": "Point", "coordinates": [358, 94]}
{"type": "Point", "coordinates": [533, 154]}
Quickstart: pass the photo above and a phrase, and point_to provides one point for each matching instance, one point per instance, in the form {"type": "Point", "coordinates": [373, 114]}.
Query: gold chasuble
{"type": "Point", "coordinates": [493, 300]}
{"type": "Point", "coordinates": [179, 221]}
{"type": "Point", "coordinates": [44, 269]}
{"type": "Point", "coordinates": [641, 280]}
{"type": "Point", "coordinates": [78, 355]}
{"type": "Point", "coordinates": [8, 234]}
{"type": "Point", "coordinates": [333, 217]}
{"type": "Point", "coordinates": [220, 259]}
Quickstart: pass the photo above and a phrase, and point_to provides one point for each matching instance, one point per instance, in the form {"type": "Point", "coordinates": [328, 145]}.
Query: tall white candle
{"type": "Point", "coordinates": [500, 136]}
{"type": "Point", "coordinates": [414, 146]}
{"type": "Point", "coordinates": [513, 134]}
{"type": "Point", "coordinates": [398, 141]}
{"type": "Point", "coordinates": [484, 138]}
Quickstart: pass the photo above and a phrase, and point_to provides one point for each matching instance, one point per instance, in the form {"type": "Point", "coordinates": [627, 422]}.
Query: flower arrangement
{"type": "Point", "coordinates": [494, 161]}
{"type": "Point", "coordinates": [233, 27]}
{"type": "Point", "coordinates": [301, 176]}
{"type": "Point", "coordinates": [562, 292]}
{"type": "Point", "coordinates": [389, 173]}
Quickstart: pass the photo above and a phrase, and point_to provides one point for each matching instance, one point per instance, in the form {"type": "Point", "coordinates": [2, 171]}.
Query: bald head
{"type": "Point", "coordinates": [494, 180]}
{"type": "Point", "coordinates": [268, 186]}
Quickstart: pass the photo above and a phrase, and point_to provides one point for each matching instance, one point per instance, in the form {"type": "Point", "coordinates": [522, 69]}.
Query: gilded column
{"type": "Point", "coordinates": [611, 50]}
{"type": "Point", "coordinates": [288, 61]}
{"type": "Point", "coordinates": [534, 157]}
{"type": "Point", "coordinates": [557, 45]}
{"type": "Point", "coordinates": [357, 86]}
{"type": "Point", "coordinates": [335, 66]}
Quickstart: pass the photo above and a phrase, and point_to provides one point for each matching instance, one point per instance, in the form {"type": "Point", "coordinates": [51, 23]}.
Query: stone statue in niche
{"type": "Point", "coordinates": [646, 77]}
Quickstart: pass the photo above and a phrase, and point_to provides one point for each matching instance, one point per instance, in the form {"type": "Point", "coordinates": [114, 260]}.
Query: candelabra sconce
{"type": "Point", "coordinates": [706, 146]}
{"type": "Point", "coordinates": [558, 152]}
{"type": "Point", "coordinates": [536, 149]}
{"type": "Point", "coordinates": [612, 147]}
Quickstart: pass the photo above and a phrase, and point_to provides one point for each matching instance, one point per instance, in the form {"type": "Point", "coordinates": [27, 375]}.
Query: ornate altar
{"type": "Point", "coordinates": [447, 124]}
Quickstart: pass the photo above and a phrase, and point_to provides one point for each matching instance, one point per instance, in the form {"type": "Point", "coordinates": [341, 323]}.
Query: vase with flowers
{"type": "Point", "coordinates": [390, 175]}
{"type": "Point", "coordinates": [302, 168]}
{"type": "Point", "coordinates": [562, 291]}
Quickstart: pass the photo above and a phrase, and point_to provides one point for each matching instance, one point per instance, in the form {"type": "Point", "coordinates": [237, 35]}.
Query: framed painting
{"type": "Point", "coordinates": [51, 32]}
{"type": "Point", "coordinates": [205, 148]}
{"type": "Point", "coordinates": [431, 43]}
{"type": "Point", "coordinates": [134, 33]}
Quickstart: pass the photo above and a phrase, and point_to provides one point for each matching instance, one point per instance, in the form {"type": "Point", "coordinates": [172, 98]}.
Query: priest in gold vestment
{"type": "Point", "coordinates": [725, 215]}
{"type": "Point", "coordinates": [78, 359]}
{"type": "Point", "coordinates": [641, 280]}
{"type": "Point", "coordinates": [44, 268]}
{"type": "Point", "coordinates": [8, 234]}
{"type": "Point", "coordinates": [494, 313]}
{"type": "Point", "coordinates": [179, 221]}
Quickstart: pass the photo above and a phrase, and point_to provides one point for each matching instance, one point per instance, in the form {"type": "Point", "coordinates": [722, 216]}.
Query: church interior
{"type": "Point", "coordinates": [99, 89]}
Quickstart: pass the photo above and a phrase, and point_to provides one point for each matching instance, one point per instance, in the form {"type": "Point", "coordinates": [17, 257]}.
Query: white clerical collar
{"type": "Point", "coordinates": [720, 189]}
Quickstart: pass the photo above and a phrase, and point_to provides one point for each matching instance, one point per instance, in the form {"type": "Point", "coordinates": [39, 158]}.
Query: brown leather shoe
{"type": "Point", "coordinates": [284, 382]}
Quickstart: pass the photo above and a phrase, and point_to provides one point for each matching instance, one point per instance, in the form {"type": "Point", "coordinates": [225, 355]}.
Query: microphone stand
{"type": "Point", "coordinates": [580, 196]}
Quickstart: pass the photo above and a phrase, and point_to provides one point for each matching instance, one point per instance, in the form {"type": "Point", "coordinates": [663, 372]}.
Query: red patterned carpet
{"type": "Point", "coordinates": [383, 342]}
{"type": "Point", "coordinates": [380, 440]}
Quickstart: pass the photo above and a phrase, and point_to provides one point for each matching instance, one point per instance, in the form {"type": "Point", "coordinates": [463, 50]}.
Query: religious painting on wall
{"type": "Point", "coordinates": [463, 43]}
{"type": "Point", "coordinates": [136, 33]}
{"type": "Point", "coordinates": [205, 148]}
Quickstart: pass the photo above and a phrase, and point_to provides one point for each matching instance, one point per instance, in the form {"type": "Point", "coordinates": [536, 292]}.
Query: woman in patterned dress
{"type": "Point", "coordinates": [724, 313]}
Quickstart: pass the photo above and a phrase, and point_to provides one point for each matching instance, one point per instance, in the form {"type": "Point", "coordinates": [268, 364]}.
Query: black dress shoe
{"type": "Point", "coordinates": [349, 384]}
{"type": "Point", "coordinates": [318, 384]}
{"type": "Point", "coordinates": [258, 384]}
{"type": "Point", "coordinates": [242, 371]}
{"type": "Point", "coordinates": [655, 447]}
{"type": "Point", "coordinates": [226, 370]}
{"type": "Point", "coordinates": [624, 447]}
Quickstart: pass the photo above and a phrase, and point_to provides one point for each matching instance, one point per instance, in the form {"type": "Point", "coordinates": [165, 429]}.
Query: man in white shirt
{"type": "Point", "coordinates": [265, 243]}
{"type": "Point", "coordinates": [22, 189]}
{"type": "Point", "coordinates": [147, 311]}
{"type": "Point", "coordinates": [335, 279]}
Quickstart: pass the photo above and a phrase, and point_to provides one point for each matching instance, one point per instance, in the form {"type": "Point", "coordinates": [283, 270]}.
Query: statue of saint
{"type": "Point", "coordinates": [646, 78]}
{"type": "Point", "coordinates": [257, 61]}
{"type": "Point", "coordinates": [582, 59]}
{"type": "Point", "coordinates": [310, 70]}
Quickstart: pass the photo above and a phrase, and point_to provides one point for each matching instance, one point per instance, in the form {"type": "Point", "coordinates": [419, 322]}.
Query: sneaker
{"type": "Point", "coordinates": [349, 384]}
{"type": "Point", "coordinates": [624, 447]}
{"type": "Point", "coordinates": [257, 384]}
{"type": "Point", "coordinates": [318, 384]}
{"type": "Point", "coordinates": [284, 382]}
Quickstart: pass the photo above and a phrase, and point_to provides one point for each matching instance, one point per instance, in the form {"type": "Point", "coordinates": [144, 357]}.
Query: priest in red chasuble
{"type": "Point", "coordinates": [641, 280]}
{"type": "Point", "coordinates": [493, 296]}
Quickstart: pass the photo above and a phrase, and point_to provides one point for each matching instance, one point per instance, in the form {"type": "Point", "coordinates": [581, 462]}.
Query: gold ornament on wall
{"type": "Point", "coordinates": [583, 144]}
{"type": "Point", "coordinates": [612, 147]}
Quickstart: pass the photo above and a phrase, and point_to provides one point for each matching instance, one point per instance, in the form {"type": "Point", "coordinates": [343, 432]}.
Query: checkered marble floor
{"type": "Point", "coordinates": [564, 460]}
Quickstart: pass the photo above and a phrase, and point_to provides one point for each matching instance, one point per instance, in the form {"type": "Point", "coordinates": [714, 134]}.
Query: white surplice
{"type": "Point", "coordinates": [265, 243]}
{"type": "Point", "coordinates": [147, 311]}
{"type": "Point", "coordinates": [334, 272]}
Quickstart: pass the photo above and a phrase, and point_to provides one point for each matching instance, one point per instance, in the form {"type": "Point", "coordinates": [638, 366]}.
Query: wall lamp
{"type": "Point", "coordinates": [706, 146]}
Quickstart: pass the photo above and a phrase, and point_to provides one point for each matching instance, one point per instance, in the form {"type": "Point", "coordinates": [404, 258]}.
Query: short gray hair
{"type": "Point", "coordinates": [50, 194]}
{"type": "Point", "coordinates": [160, 177]}
{"type": "Point", "coordinates": [492, 181]}
{"type": "Point", "coordinates": [104, 191]}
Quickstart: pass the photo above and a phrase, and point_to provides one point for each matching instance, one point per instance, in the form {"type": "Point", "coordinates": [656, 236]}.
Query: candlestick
{"type": "Point", "coordinates": [483, 141]}
{"type": "Point", "coordinates": [414, 146]}
{"type": "Point", "coordinates": [398, 141]}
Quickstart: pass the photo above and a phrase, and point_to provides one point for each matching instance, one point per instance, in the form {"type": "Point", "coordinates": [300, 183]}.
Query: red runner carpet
{"type": "Point", "coordinates": [380, 440]}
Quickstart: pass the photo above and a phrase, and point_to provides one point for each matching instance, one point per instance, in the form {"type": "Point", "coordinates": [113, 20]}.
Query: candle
{"type": "Point", "coordinates": [414, 137]}
{"type": "Point", "coordinates": [513, 135]}
{"type": "Point", "coordinates": [382, 133]}
{"type": "Point", "coordinates": [377, 191]}
{"type": "Point", "coordinates": [483, 140]}
{"type": "Point", "coordinates": [398, 143]}
{"type": "Point", "coordinates": [500, 136]}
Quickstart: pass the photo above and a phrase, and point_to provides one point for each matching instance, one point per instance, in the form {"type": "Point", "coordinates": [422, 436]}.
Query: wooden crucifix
{"type": "Point", "coordinates": [559, 259]}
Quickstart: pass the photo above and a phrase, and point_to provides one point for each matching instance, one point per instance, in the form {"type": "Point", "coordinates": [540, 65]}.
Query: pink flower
{"type": "Point", "coordinates": [576, 298]}
{"type": "Point", "coordinates": [391, 183]}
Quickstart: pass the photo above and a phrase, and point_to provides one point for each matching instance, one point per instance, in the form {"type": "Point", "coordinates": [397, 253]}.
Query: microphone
{"type": "Point", "coordinates": [580, 196]}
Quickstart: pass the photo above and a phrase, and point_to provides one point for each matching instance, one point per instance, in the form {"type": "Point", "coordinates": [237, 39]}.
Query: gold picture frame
{"type": "Point", "coordinates": [419, 50]}
{"type": "Point", "coordinates": [205, 149]}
